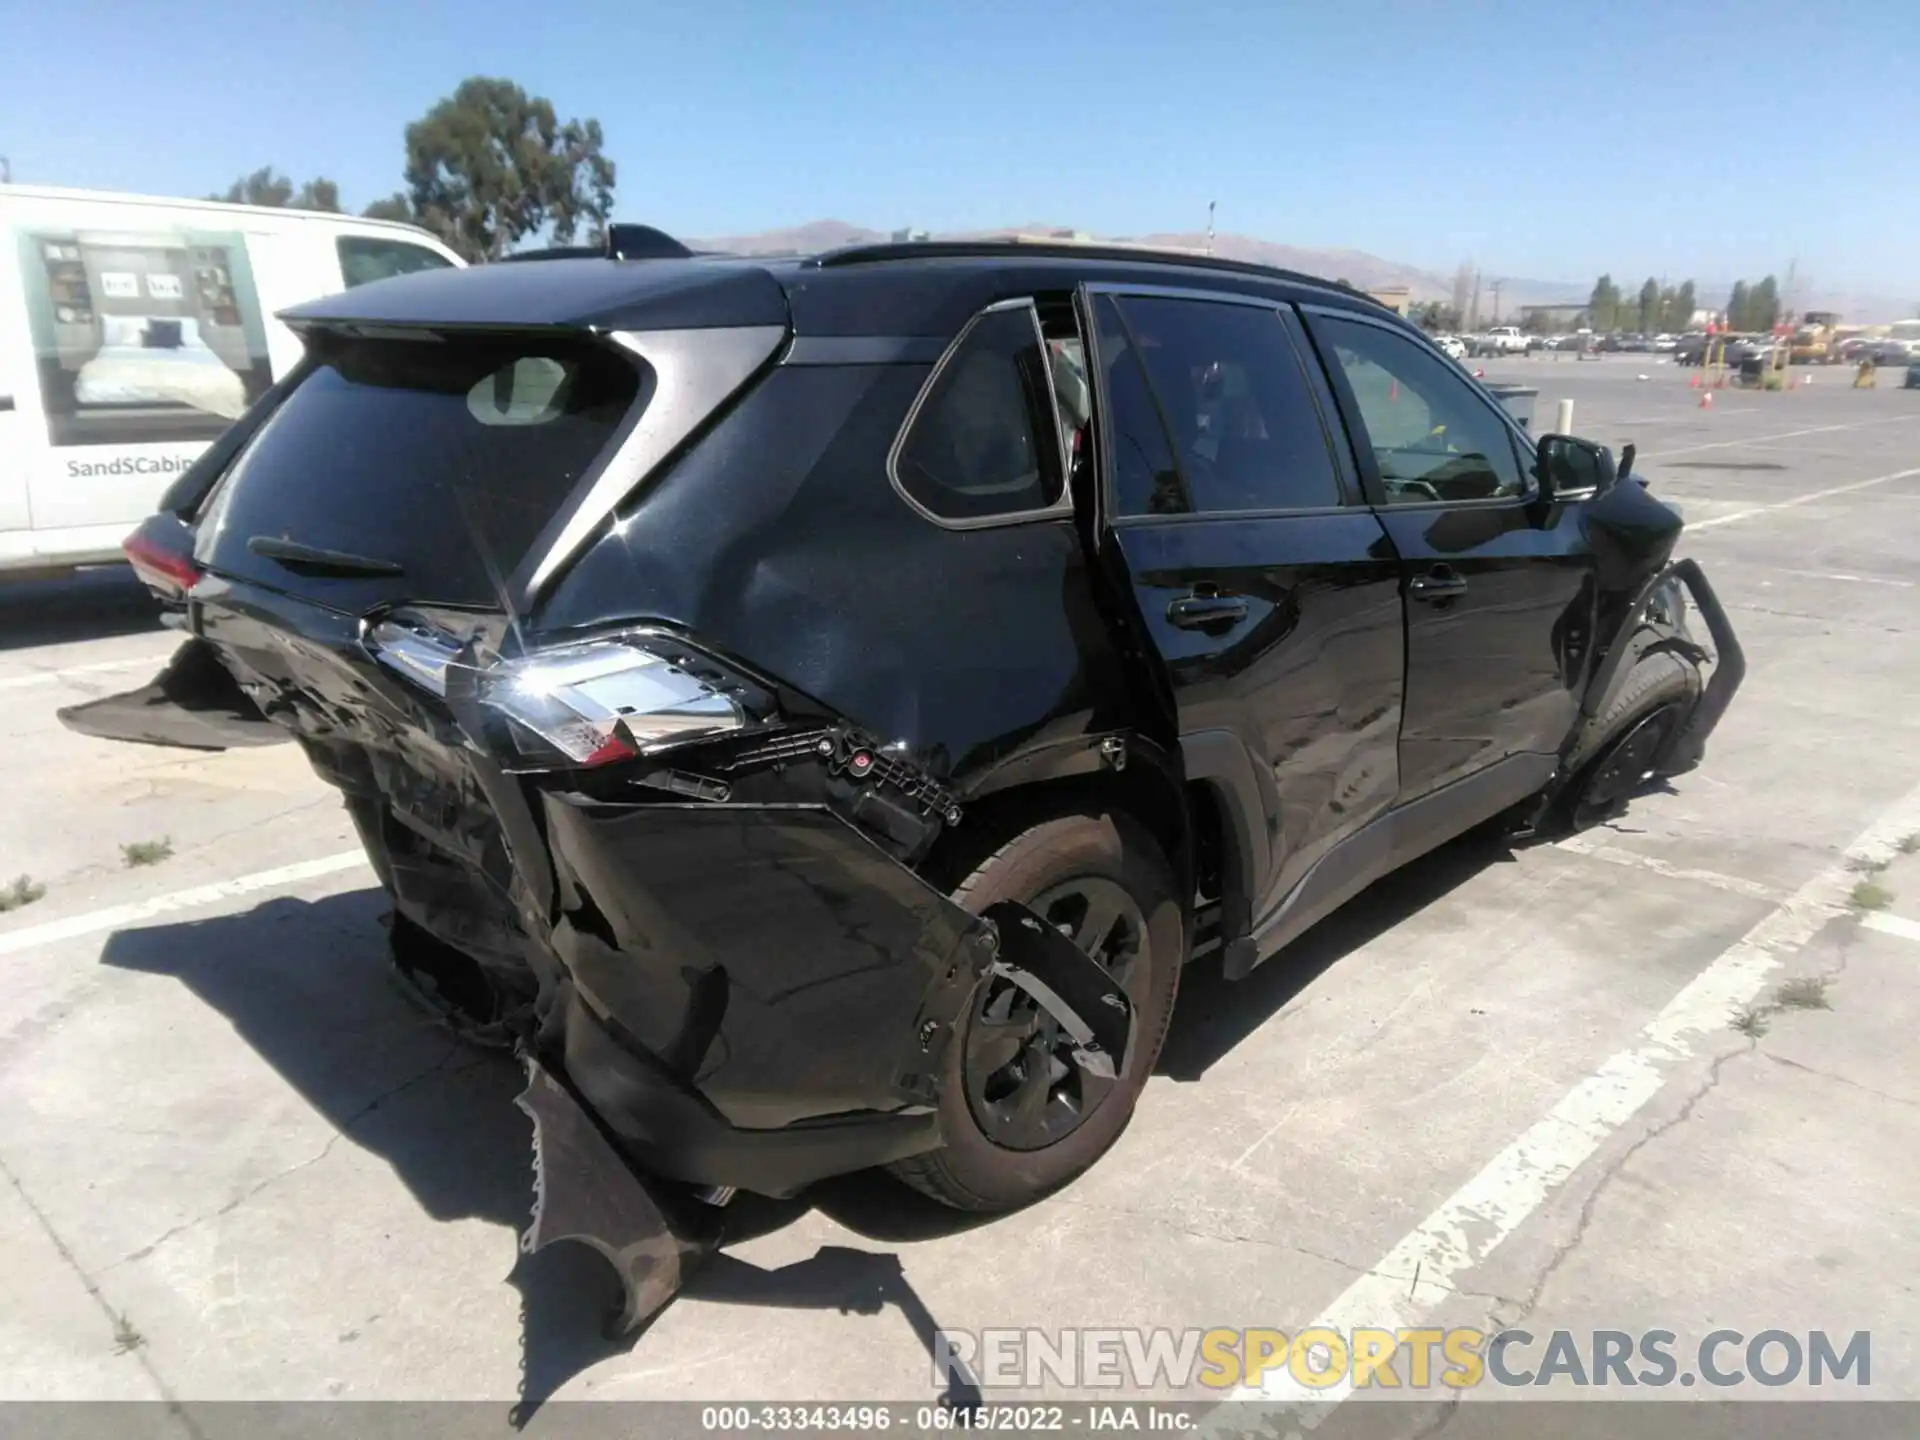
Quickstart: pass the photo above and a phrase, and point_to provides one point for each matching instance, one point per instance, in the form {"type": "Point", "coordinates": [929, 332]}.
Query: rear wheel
{"type": "Point", "coordinates": [1017, 1116]}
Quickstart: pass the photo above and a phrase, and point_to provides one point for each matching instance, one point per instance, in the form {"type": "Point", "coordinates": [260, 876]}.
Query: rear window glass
{"type": "Point", "coordinates": [985, 441]}
{"type": "Point", "coordinates": [448, 459]}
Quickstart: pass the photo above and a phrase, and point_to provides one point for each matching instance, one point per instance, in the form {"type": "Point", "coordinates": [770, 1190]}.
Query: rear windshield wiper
{"type": "Point", "coordinates": [311, 559]}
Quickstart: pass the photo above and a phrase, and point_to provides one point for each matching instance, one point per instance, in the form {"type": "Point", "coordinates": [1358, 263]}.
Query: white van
{"type": "Point", "coordinates": [132, 330]}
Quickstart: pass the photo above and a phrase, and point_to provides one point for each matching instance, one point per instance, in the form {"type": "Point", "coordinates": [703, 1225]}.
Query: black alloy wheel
{"type": "Point", "coordinates": [1022, 1084]}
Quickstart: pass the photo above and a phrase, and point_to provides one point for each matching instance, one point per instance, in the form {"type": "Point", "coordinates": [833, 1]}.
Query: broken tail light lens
{"type": "Point", "coordinates": [168, 571]}
{"type": "Point", "coordinates": [587, 703]}
{"type": "Point", "coordinates": [610, 699]}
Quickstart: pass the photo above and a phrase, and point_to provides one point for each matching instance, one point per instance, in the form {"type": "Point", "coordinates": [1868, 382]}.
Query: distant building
{"type": "Point", "coordinates": [1395, 297]}
{"type": "Point", "coordinates": [911, 236]}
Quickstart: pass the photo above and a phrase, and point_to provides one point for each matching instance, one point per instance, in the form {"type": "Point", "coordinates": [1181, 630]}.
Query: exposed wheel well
{"type": "Point", "coordinates": [1140, 790]}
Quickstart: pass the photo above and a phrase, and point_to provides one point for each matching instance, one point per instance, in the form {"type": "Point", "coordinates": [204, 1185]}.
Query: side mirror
{"type": "Point", "coordinates": [1625, 468]}
{"type": "Point", "coordinates": [1572, 468]}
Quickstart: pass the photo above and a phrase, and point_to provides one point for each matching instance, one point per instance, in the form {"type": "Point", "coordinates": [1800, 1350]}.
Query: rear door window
{"type": "Point", "coordinates": [984, 442]}
{"type": "Point", "coordinates": [448, 460]}
{"type": "Point", "coordinates": [1246, 433]}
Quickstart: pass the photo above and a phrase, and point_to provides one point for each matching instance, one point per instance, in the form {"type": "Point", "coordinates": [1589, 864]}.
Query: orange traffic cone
{"type": "Point", "coordinates": [1694, 383]}
{"type": "Point", "coordinates": [1706, 400]}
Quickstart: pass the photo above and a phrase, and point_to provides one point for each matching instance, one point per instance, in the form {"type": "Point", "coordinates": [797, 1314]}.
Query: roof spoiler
{"type": "Point", "coordinates": [623, 242]}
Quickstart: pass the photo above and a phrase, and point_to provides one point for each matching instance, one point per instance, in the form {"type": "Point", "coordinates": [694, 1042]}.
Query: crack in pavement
{"type": "Point", "coordinates": [1591, 1204]}
{"type": "Point", "coordinates": [346, 1126]}
{"type": "Point", "coordinates": [1840, 1080]}
{"type": "Point", "coordinates": [115, 1319]}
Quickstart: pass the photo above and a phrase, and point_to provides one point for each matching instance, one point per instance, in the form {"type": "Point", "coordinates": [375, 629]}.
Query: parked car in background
{"type": "Point", "coordinates": [1665, 344]}
{"type": "Point", "coordinates": [1894, 352]}
{"type": "Point", "coordinates": [1500, 340]}
{"type": "Point", "coordinates": [1694, 347]}
{"type": "Point", "coordinates": [133, 330]}
{"type": "Point", "coordinates": [807, 705]}
{"type": "Point", "coordinates": [1913, 375]}
{"type": "Point", "coordinates": [1452, 346]}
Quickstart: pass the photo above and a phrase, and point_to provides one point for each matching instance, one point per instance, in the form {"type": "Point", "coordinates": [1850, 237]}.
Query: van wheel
{"type": "Point", "coordinates": [1017, 1117]}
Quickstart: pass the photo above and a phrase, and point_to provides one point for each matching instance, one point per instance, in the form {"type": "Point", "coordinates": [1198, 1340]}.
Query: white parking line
{"type": "Point", "coordinates": [1835, 575]}
{"type": "Point", "coordinates": [114, 916]}
{"type": "Point", "coordinates": [54, 677]}
{"type": "Point", "coordinates": [1807, 499]}
{"type": "Point", "coordinates": [1756, 440]}
{"type": "Point", "coordinates": [1597, 849]}
{"type": "Point", "coordinates": [1426, 1267]}
{"type": "Point", "coordinates": [1892, 925]}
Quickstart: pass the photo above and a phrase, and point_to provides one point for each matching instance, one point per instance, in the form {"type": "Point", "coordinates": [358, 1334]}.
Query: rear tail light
{"type": "Point", "coordinates": [583, 704]}
{"type": "Point", "coordinates": [608, 699]}
{"type": "Point", "coordinates": [167, 571]}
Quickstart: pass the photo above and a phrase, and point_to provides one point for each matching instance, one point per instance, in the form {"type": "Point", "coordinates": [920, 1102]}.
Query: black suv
{"type": "Point", "coordinates": [816, 707]}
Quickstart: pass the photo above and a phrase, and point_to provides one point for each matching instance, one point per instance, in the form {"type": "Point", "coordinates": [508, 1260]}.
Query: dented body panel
{"type": "Point", "coordinates": [731, 939]}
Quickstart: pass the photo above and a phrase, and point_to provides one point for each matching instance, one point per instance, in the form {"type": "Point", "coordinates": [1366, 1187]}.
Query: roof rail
{"type": "Point", "coordinates": [623, 242]}
{"type": "Point", "coordinates": [1068, 250]}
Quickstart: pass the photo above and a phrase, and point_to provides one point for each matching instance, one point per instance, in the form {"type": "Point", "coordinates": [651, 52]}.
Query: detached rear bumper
{"type": "Point", "coordinates": [758, 995]}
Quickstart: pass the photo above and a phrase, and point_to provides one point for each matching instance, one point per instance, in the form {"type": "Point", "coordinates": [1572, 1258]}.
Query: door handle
{"type": "Point", "coordinates": [1213, 613]}
{"type": "Point", "coordinates": [1443, 582]}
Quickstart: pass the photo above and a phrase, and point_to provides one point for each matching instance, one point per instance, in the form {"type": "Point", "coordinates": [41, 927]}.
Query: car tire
{"type": "Point", "coordinates": [1660, 682]}
{"type": "Point", "coordinates": [972, 1171]}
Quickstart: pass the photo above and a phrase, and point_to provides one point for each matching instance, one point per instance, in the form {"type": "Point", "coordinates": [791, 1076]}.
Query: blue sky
{"type": "Point", "coordinates": [1550, 139]}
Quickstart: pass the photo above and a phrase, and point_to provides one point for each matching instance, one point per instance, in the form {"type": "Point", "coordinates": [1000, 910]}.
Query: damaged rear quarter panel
{"type": "Point", "coordinates": [779, 540]}
{"type": "Point", "coordinates": [770, 956]}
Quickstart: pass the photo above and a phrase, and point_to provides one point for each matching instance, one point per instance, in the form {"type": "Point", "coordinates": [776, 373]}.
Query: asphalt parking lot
{"type": "Point", "coordinates": [1559, 1087]}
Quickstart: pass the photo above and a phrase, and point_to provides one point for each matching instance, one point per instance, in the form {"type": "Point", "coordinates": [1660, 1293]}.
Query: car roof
{"type": "Point", "coordinates": [924, 289]}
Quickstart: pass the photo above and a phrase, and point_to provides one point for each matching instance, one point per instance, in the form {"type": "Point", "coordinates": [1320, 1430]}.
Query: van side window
{"type": "Point", "coordinates": [985, 441]}
{"type": "Point", "coordinates": [366, 258]}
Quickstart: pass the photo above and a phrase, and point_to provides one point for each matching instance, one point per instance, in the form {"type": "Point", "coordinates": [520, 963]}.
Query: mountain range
{"type": "Point", "coordinates": [1368, 272]}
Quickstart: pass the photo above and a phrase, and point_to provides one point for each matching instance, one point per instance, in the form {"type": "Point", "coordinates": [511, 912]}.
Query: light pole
{"type": "Point", "coordinates": [1496, 300]}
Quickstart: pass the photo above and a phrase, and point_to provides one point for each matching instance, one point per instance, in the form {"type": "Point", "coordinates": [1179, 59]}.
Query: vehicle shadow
{"type": "Point", "coordinates": [1214, 1014]}
{"type": "Point", "coordinates": [88, 606]}
{"type": "Point", "coordinates": [305, 984]}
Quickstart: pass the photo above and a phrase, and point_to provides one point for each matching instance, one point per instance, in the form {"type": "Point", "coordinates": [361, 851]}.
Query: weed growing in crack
{"type": "Point", "coordinates": [1751, 1021]}
{"type": "Point", "coordinates": [1909, 844]}
{"type": "Point", "coordinates": [1803, 992]}
{"type": "Point", "coordinates": [126, 1338]}
{"type": "Point", "coordinates": [23, 891]}
{"type": "Point", "coordinates": [147, 852]}
{"type": "Point", "coordinates": [1870, 895]}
